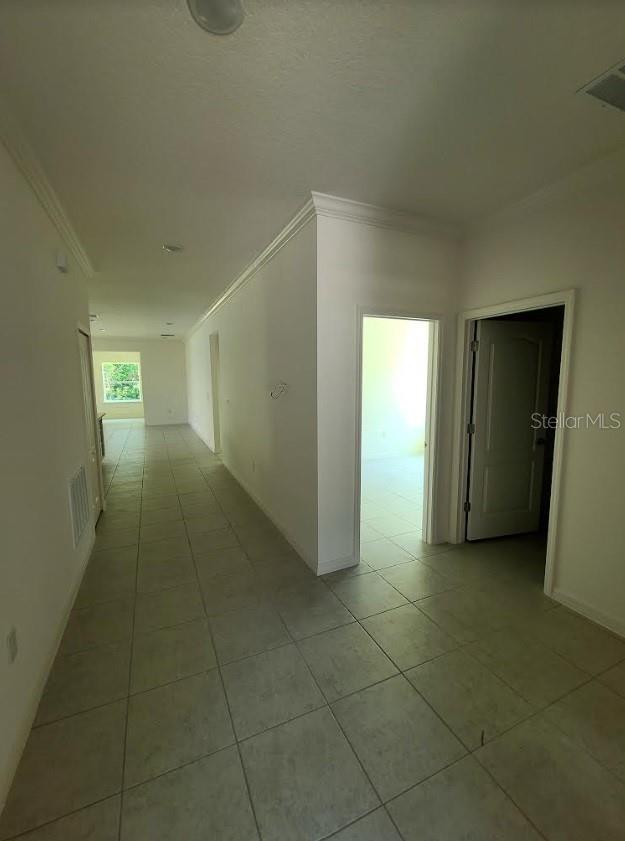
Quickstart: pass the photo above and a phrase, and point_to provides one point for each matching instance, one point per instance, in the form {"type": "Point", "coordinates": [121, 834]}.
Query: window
{"type": "Point", "coordinates": [122, 382]}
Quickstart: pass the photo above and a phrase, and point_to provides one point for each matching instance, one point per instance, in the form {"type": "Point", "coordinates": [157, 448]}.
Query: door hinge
{"type": "Point", "coordinates": [467, 506]}
{"type": "Point", "coordinates": [470, 429]}
{"type": "Point", "coordinates": [474, 346]}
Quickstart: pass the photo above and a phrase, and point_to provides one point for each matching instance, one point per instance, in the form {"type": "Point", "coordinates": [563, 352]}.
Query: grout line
{"type": "Point", "coordinates": [130, 663]}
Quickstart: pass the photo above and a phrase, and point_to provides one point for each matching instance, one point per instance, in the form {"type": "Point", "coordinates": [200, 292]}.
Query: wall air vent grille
{"type": "Point", "coordinates": [609, 88]}
{"type": "Point", "coordinates": [79, 503]}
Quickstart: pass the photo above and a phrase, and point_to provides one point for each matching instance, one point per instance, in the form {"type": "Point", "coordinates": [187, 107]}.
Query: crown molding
{"type": "Point", "coordinates": [336, 207]}
{"type": "Point", "coordinates": [301, 218]}
{"type": "Point", "coordinates": [322, 204]}
{"type": "Point", "coordinates": [21, 152]}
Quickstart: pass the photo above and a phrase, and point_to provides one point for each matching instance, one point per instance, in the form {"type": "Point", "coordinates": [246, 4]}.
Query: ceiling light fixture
{"type": "Point", "coordinates": [171, 248]}
{"type": "Point", "coordinates": [219, 17]}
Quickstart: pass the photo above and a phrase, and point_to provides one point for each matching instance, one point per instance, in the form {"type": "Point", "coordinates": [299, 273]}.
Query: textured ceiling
{"type": "Point", "coordinates": [152, 131]}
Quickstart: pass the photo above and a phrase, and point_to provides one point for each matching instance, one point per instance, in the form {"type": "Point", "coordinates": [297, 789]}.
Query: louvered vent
{"type": "Point", "coordinates": [79, 503]}
{"type": "Point", "coordinates": [609, 88]}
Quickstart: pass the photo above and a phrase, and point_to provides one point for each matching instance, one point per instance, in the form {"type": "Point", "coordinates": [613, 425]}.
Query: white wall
{"type": "Point", "coordinates": [133, 409]}
{"type": "Point", "coordinates": [163, 376]}
{"type": "Point", "coordinates": [361, 265]}
{"type": "Point", "coordinates": [42, 444]}
{"type": "Point", "coordinates": [266, 335]}
{"type": "Point", "coordinates": [572, 236]}
{"type": "Point", "coordinates": [394, 387]}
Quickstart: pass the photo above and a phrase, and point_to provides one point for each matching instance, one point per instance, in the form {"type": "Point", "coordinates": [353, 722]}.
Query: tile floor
{"type": "Point", "coordinates": [208, 686]}
{"type": "Point", "coordinates": [391, 507]}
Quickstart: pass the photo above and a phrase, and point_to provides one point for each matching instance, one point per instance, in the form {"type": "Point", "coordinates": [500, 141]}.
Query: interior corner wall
{"type": "Point", "coordinates": [572, 236]}
{"type": "Point", "coordinates": [163, 376]}
{"type": "Point", "coordinates": [384, 270]}
{"type": "Point", "coordinates": [131, 409]}
{"type": "Point", "coordinates": [43, 443]}
{"type": "Point", "coordinates": [267, 335]}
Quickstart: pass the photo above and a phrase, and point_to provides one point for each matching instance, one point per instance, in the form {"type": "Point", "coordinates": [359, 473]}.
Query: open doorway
{"type": "Point", "coordinates": [214, 368]}
{"type": "Point", "coordinates": [396, 384]}
{"type": "Point", "coordinates": [515, 376]}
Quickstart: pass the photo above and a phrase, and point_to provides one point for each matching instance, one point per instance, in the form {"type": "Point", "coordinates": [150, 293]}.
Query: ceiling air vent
{"type": "Point", "coordinates": [167, 335]}
{"type": "Point", "coordinates": [609, 88]}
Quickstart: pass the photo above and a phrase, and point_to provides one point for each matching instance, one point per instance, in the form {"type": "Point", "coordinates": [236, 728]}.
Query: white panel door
{"type": "Point", "coordinates": [91, 425]}
{"type": "Point", "coordinates": [511, 382]}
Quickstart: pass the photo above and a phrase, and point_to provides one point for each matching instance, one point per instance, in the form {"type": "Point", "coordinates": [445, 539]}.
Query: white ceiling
{"type": "Point", "coordinates": [151, 130]}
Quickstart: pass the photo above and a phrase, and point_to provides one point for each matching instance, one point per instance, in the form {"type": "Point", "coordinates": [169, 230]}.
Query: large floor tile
{"type": "Point", "coordinates": [97, 625]}
{"type": "Point", "coordinates": [159, 574]}
{"type": "Point", "coordinates": [395, 734]}
{"type": "Point", "coordinates": [464, 614]}
{"type": "Point", "coordinates": [309, 608]}
{"type": "Point", "coordinates": [390, 525]}
{"type": "Point", "coordinates": [578, 640]}
{"type": "Point", "coordinates": [205, 523]}
{"type": "Point", "coordinates": [169, 654]}
{"type": "Point", "coordinates": [594, 717]}
{"type": "Point", "coordinates": [473, 701]}
{"type": "Point", "coordinates": [175, 724]}
{"type": "Point", "coordinates": [539, 675]}
{"type": "Point", "coordinates": [366, 595]}
{"type": "Point", "coordinates": [162, 530]}
{"type": "Point", "coordinates": [222, 561]}
{"type": "Point", "coordinates": [615, 678]}
{"type": "Point", "coordinates": [241, 633]}
{"type": "Point", "coordinates": [304, 779]}
{"type": "Point", "coordinates": [78, 682]}
{"type": "Point", "coordinates": [203, 801]}
{"type": "Point", "coordinates": [65, 766]}
{"type": "Point", "coordinates": [110, 574]}
{"type": "Point", "coordinates": [268, 689]}
{"type": "Point", "coordinates": [116, 538]}
{"type": "Point", "coordinates": [160, 503]}
{"type": "Point", "coordinates": [99, 822]}
{"type": "Point", "coordinates": [376, 826]}
{"type": "Point", "coordinates": [460, 803]}
{"type": "Point", "coordinates": [566, 793]}
{"type": "Point", "coordinates": [417, 547]}
{"type": "Point", "coordinates": [211, 541]}
{"type": "Point", "coordinates": [168, 607]}
{"type": "Point", "coordinates": [383, 553]}
{"type": "Point", "coordinates": [407, 636]}
{"type": "Point", "coordinates": [226, 592]}
{"type": "Point", "coordinates": [416, 580]}
{"type": "Point", "coordinates": [163, 550]}
{"type": "Point", "coordinates": [345, 660]}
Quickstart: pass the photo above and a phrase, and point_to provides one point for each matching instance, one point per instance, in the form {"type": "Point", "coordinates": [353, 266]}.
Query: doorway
{"type": "Point", "coordinates": [513, 391]}
{"type": "Point", "coordinates": [94, 466]}
{"type": "Point", "coordinates": [397, 380]}
{"type": "Point", "coordinates": [214, 367]}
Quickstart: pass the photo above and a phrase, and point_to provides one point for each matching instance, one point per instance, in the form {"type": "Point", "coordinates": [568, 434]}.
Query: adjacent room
{"type": "Point", "coordinates": [312, 332]}
{"type": "Point", "coordinates": [395, 372]}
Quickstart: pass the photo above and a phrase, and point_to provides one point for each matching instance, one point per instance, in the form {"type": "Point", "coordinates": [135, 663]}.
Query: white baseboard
{"type": "Point", "coordinates": [611, 623]}
{"type": "Point", "coordinates": [31, 707]}
{"type": "Point", "coordinates": [328, 566]}
{"type": "Point", "coordinates": [311, 562]}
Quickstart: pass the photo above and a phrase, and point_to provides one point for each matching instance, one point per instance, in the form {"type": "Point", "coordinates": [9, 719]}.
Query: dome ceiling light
{"type": "Point", "coordinates": [219, 17]}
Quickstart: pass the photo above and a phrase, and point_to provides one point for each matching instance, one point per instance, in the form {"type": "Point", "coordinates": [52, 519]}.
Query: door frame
{"type": "Point", "coordinates": [213, 350]}
{"type": "Point", "coordinates": [84, 331]}
{"type": "Point", "coordinates": [430, 474]}
{"type": "Point", "coordinates": [466, 319]}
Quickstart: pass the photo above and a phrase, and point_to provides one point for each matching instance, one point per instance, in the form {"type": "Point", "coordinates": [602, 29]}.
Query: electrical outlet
{"type": "Point", "coordinates": [12, 645]}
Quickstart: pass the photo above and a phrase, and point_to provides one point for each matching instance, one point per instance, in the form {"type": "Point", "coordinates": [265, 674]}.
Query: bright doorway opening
{"type": "Point", "coordinates": [395, 422]}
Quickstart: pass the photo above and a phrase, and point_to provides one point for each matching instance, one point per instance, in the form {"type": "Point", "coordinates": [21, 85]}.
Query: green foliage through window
{"type": "Point", "coordinates": [121, 381]}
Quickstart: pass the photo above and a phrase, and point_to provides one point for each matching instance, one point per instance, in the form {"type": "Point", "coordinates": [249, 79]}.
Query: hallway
{"type": "Point", "coordinates": [209, 686]}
